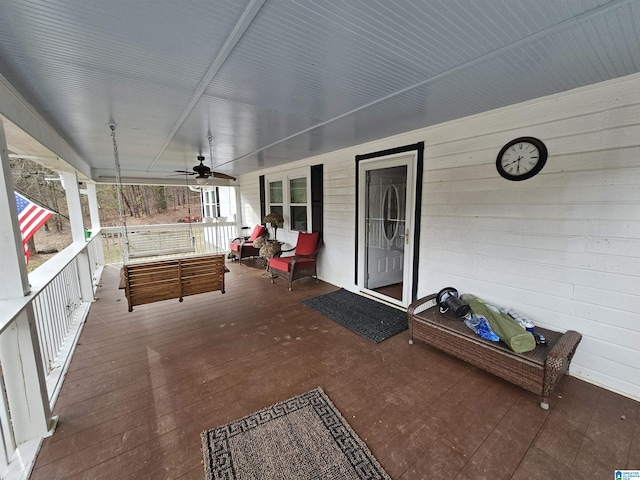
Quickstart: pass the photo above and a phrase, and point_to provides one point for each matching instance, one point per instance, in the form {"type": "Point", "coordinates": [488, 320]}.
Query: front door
{"type": "Point", "coordinates": [386, 203]}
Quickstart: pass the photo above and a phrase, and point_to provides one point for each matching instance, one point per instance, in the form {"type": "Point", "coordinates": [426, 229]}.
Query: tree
{"type": "Point", "coordinates": [159, 197]}
{"type": "Point", "coordinates": [40, 184]}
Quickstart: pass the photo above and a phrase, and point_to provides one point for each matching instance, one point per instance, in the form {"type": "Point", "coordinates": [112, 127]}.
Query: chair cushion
{"type": "Point", "coordinates": [258, 231]}
{"type": "Point", "coordinates": [235, 247]}
{"type": "Point", "coordinates": [284, 263]}
{"type": "Point", "coordinates": [307, 243]}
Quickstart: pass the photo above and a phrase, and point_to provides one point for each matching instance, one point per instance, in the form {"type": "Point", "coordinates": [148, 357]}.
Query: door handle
{"type": "Point", "coordinates": [406, 236]}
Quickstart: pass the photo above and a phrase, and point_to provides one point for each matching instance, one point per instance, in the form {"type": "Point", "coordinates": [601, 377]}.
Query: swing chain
{"type": "Point", "coordinates": [123, 220]}
{"type": "Point", "coordinates": [215, 195]}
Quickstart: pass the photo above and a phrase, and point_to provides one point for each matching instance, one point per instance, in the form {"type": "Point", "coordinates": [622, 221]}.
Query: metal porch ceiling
{"type": "Point", "coordinates": [279, 80]}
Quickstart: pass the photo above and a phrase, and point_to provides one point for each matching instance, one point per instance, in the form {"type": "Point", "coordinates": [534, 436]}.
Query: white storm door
{"type": "Point", "coordinates": [386, 203]}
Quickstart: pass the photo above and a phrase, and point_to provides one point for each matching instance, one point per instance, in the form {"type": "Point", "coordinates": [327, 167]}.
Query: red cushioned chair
{"type": "Point", "coordinates": [302, 263]}
{"type": "Point", "coordinates": [242, 247]}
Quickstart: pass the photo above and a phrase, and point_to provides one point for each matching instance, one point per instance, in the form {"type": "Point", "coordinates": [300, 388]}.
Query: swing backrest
{"type": "Point", "coordinates": [160, 242]}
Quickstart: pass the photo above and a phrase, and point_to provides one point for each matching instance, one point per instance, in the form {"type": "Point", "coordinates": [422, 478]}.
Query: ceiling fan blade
{"type": "Point", "coordinates": [202, 171]}
{"type": "Point", "coordinates": [221, 175]}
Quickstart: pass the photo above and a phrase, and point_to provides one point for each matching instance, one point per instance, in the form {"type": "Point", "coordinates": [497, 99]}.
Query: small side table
{"type": "Point", "coordinates": [272, 248]}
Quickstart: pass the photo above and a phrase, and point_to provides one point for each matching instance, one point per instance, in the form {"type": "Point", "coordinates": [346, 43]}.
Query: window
{"type": "Point", "coordinates": [276, 199]}
{"type": "Point", "coordinates": [210, 202]}
{"type": "Point", "coordinates": [298, 203]}
{"type": "Point", "coordinates": [219, 202]}
{"type": "Point", "coordinates": [290, 197]}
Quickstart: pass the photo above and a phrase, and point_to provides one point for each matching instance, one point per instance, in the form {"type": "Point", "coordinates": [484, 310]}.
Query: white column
{"type": "Point", "coordinates": [20, 357]}
{"type": "Point", "coordinates": [93, 207]}
{"type": "Point", "coordinates": [239, 212]}
{"type": "Point", "coordinates": [70, 182]}
{"type": "Point", "coordinates": [24, 378]}
{"type": "Point", "coordinates": [95, 223]}
{"type": "Point", "coordinates": [12, 262]}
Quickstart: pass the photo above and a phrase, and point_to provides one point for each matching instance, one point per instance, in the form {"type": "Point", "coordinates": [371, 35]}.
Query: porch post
{"type": "Point", "coordinates": [70, 183]}
{"type": "Point", "coordinates": [95, 221]}
{"type": "Point", "coordinates": [12, 262]}
{"type": "Point", "coordinates": [20, 358]}
{"type": "Point", "coordinates": [239, 212]}
{"type": "Point", "coordinates": [93, 207]}
{"type": "Point", "coordinates": [24, 378]}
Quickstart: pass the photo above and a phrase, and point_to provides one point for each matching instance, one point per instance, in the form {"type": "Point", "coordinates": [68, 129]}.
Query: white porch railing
{"type": "Point", "coordinates": [55, 312]}
{"type": "Point", "coordinates": [205, 237]}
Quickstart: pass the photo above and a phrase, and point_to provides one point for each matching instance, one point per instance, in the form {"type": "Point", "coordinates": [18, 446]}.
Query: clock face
{"type": "Point", "coordinates": [521, 158]}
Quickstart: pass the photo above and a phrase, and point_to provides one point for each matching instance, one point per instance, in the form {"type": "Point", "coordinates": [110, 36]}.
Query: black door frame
{"type": "Point", "coordinates": [419, 149]}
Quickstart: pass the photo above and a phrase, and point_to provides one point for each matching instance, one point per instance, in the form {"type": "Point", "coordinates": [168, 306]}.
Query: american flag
{"type": "Point", "coordinates": [31, 218]}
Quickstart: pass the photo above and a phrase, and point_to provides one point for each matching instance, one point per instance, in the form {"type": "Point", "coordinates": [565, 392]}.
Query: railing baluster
{"type": "Point", "coordinates": [209, 237]}
{"type": "Point", "coordinates": [66, 287]}
{"type": "Point", "coordinates": [38, 313]}
{"type": "Point", "coordinates": [7, 440]}
{"type": "Point", "coordinates": [58, 312]}
{"type": "Point", "coordinates": [55, 308]}
{"type": "Point", "coordinates": [47, 335]}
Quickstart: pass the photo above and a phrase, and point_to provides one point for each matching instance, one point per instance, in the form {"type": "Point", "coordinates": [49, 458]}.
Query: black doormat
{"type": "Point", "coordinates": [372, 320]}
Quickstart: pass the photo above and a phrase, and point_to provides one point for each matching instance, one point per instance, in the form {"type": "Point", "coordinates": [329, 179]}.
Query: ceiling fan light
{"type": "Point", "coordinates": [202, 180]}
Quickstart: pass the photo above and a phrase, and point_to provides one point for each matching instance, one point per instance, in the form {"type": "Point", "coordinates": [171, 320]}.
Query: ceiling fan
{"type": "Point", "coordinates": [203, 172]}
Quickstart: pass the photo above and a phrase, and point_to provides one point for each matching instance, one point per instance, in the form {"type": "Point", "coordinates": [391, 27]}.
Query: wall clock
{"type": "Point", "coordinates": [521, 158]}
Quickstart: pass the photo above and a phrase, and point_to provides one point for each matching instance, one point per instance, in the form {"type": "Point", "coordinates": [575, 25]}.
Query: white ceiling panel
{"type": "Point", "coordinates": [274, 81]}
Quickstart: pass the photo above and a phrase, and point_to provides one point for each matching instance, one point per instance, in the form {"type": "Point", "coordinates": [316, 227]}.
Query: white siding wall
{"type": "Point", "coordinates": [337, 264]}
{"type": "Point", "coordinates": [562, 247]}
{"type": "Point", "coordinates": [249, 208]}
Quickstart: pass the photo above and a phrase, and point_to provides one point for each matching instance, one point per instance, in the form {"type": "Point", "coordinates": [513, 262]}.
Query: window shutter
{"type": "Point", "coordinates": [316, 198]}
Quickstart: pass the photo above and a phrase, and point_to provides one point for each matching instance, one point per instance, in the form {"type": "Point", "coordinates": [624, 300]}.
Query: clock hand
{"type": "Point", "coordinates": [517, 160]}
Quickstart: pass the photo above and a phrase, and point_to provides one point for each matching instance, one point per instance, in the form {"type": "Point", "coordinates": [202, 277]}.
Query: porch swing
{"type": "Point", "coordinates": [151, 281]}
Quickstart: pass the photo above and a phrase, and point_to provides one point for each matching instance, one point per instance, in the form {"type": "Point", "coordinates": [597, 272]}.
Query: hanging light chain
{"type": "Point", "coordinates": [210, 138]}
{"type": "Point", "coordinates": [215, 195]}
{"type": "Point", "coordinates": [123, 220]}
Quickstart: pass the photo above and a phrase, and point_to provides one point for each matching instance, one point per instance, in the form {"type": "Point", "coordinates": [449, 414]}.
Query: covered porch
{"type": "Point", "coordinates": [143, 385]}
{"type": "Point", "coordinates": [295, 106]}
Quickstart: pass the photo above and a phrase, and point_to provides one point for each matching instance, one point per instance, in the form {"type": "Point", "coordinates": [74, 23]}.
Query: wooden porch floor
{"type": "Point", "coordinates": [143, 385]}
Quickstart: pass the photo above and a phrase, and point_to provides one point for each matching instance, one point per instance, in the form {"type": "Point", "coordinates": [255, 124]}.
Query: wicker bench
{"type": "Point", "coordinates": [158, 280]}
{"type": "Point", "coordinates": [538, 371]}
